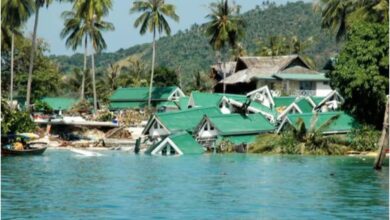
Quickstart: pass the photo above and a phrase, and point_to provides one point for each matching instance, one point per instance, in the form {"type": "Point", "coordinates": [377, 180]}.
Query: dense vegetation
{"type": "Point", "coordinates": [189, 51]}
{"type": "Point", "coordinates": [361, 72]}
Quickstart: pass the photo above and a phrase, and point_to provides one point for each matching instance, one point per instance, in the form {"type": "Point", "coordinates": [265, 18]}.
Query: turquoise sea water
{"type": "Point", "coordinates": [119, 185]}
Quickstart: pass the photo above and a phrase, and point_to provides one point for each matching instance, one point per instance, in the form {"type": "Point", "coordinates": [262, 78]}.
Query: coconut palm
{"type": "Point", "coordinates": [75, 33]}
{"type": "Point", "coordinates": [38, 5]}
{"type": "Point", "coordinates": [88, 16]}
{"type": "Point", "coordinates": [14, 14]}
{"type": "Point", "coordinates": [153, 20]}
{"type": "Point", "coordinates": [337, 15]}
{"type": "Point", "coordinates": [225, 27]}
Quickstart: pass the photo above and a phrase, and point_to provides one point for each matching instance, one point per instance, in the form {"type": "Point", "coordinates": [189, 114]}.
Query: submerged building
{"type": "Point", "coordinates": [137, 98]}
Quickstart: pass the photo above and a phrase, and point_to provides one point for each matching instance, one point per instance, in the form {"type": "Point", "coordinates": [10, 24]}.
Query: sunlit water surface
{"type": "Point", "coordinates": [120, 185]}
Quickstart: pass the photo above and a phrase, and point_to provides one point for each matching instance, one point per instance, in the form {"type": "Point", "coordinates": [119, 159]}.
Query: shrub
{"type": "Point", "coordinates": [264, 143]}
{"type": "Point", "coordinates": [14, 121]}
{"type": "Point", "coordinates": [364, 138]}
{"type": "Point", "coordinates": [40, 106]}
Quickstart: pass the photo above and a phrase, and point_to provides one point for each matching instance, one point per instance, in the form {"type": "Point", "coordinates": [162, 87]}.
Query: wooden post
{"type": "Point", "coordinates": [384, 140]}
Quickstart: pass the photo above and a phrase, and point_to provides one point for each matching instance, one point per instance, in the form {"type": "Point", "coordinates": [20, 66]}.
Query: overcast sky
{"type": "Point", "coordinates": [125, 35]}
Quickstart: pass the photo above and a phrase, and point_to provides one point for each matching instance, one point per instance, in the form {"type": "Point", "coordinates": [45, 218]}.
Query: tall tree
{"type": "Point", "coordinates": [14, 14]}
{"type": "Point", "coordinates": [91, 12]}
{"type": "Point", "coordinates": [153, 19]}
{"type": "Point", "coordinates": [76, 31]}
{"type": "Point", "coordinates": [225, 26]}
{"type": "Point", "coordinates": [338, 15]}
{"type": "Point", "coordinates": [38, 5]}
{"type": "Point", "coordinates": [361, 73]}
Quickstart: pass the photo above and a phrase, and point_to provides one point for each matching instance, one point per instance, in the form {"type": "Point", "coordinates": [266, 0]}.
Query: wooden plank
{"type": "Point", "coordinates": [383, 141]}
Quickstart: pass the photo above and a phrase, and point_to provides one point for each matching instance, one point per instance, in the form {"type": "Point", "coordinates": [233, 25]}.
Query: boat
{"type": "Point", "coordinates": [30, 148]}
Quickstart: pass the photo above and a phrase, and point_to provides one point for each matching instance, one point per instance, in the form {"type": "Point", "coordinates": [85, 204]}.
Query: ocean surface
{"type": "Point", "coordinates": [118, 185]}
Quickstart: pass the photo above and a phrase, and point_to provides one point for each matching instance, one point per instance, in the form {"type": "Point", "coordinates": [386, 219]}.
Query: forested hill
{"type": "Point", "coordinates": [189, 50]}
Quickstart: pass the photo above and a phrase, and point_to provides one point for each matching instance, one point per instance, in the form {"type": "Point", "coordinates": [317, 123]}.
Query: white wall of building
{"type": "Point", "coordinates": [322, 88]}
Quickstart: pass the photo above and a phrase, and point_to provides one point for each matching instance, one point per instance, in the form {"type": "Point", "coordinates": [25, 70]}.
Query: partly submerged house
{"type": "Point", "coordinates": [137, 97]}
{"type": "Point", "coordinates": [339, 122]}
{"type": "Point", "coordinates": [176, 144]}
{"type": "Point", "coordinates": [289, 75]}
{"type": "Point", "coordinates": [236, 128]}
{"type": "Point", "coordinates": [161, 125]}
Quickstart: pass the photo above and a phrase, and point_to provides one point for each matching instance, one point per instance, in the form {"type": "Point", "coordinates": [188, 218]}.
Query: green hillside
{"type": "Point", "coordinates": [190, 50]}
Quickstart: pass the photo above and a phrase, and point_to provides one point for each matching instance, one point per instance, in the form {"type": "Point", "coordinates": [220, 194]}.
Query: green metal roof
{"type": "Point", "coordinates": [183, 103]}
{"type": "Point", "coordinates": [168, 104]}
{"type": "Point", "coordinates": [232, 124]}
{"type": "Point", "coordinates": [203, 99]}
{"type": "Point", "coordinates": [60, 103]}
{"type": "Point", "coordinates": [184, 141]}
{"type": "Point", "coordinates": [187, 143]}
{"type": "Point", "coordinates": [344, 123]}
{"type": "Point", "coordinates": [186, 119]}
{"type": "Point", "coordinates": [142, 93]}
{"type": "Point", "coordinates": [317, 99]}
{"type": "Point", "coordinates": [301, 76]}
{"type": "Point", "coordinates": [127, 105]}
{"type": "Point", "coordinates": [284, 101]}
{"type": "Point", "coordinates": [304, 105]}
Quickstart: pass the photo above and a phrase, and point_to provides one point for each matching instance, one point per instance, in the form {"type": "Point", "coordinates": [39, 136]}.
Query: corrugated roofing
{"type": "Point", "coordinates": [183, 103]}
{"type": "Point", "coordinates": [284, 101]}
{"type": "Point", "coordinates": [186, 119]}
{"type": "Point", "coordinates": [127, 105]}
{"type": "Point", "coordinates": [344, 122]}
{"type": "Point", "coordinates": [301, 76]}
{"type": "Point", "coordinates": [186, 143]}
{"type": "Point", "coordinates": [233, 124]}
{"type": "Point", "coordinates": [142, 93]}
{"type": "Point", "coordinates": [317, 99]}
{"type": "Point", "coordinates": [60, 103]}
{"type": "Point", "coordinates": [304, 105]}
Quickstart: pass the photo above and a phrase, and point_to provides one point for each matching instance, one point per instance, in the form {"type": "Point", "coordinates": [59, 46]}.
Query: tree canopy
{"type": "Point", "coordinates": [361, 72]}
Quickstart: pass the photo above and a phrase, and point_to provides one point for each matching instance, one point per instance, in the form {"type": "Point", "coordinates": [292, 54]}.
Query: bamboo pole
{"type": "Point", "coordinates": [383, 141]}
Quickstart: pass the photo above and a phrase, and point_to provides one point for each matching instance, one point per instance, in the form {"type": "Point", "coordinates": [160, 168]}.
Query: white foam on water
{"type": "Point", "coordinates": [86, 153]}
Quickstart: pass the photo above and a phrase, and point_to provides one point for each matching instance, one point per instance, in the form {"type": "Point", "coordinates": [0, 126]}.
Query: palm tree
{"type": "Point", "coordinates": [38, 5]}
{"type": "Point", "coordinates": [14, 14]}
{"type": "Point", "coordinates": [91, 12]}
{"type": "Point", "coordinates": [75, 32]}
{"type": "Point", "coordinates": [337, 15]}
{"type": "Point", "coordinates": [224, 27]}
{"type": "Point", "coordinates": [153, 19]}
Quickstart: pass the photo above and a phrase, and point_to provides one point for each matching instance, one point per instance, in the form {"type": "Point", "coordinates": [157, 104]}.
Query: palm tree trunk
{"type": "Point", "coordinates": [93, 81]}
{"type": "Point", "coordinates": [85, 68]}
{"type": "Point", "coordinates": [151, 76]}
{"type": "Point", "coordinates": [32, 54]}
{"type": "Point", "coordinates": [12, 71]}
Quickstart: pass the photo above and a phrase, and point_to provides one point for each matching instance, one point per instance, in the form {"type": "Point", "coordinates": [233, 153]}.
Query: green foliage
{"type": "Point", "coordinates": [46, 77]}
{"type": "Point", "coordinates": [364, 139]}
{"type": "Point", "coordinates": [190, 50]}
{"type": "Point", "coordinates": [225, 26]}
{"type": "Point", "coordinates": [15, 121]}
{"type": "Point", "coordinates": [165, 77]}
{"type": "Point", "coordinates": [225, 146]}
{"type": "Point", "coordinates": [264, 143]}
{"type": "Point", "coordinates": [105, 116]}
{"type": "Point", "coordinates": [82, 106]}
{"type": "Point", "coordinates": [40, 106]}
{"type": "Point", "coordinates": [361, 73]}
